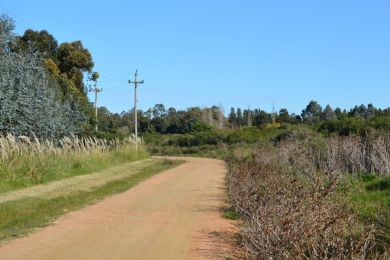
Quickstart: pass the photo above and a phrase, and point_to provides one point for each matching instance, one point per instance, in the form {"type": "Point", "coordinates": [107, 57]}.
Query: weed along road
{"type": "Point", "coordinates": [172, 215]}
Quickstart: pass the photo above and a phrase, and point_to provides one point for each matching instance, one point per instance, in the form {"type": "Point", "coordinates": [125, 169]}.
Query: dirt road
{"type": "Point", "coordinates": [173, 215]}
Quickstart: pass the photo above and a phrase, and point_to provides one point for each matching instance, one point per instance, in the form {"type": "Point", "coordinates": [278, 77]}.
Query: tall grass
{"type": "Point", "coordinates": [27, 161]}
{"type": "Point", "coordinates": [338, 155]}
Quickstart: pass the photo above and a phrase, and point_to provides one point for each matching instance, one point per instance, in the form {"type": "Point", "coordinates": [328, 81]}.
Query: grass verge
{"type": "Point", "coordinates": [26, 162]}
{"type": "Point", "coordinates": [68, 166]}
{"type": "Point", "coordinates": [20, 217]}
{"type": "Point", "coordinates": [369, 197]}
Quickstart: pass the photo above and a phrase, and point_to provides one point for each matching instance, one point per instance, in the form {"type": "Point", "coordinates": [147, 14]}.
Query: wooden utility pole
{"type": "Point", "coordinates": [96, 90]}
{"type": "Point", "coordinates": [135, 82]}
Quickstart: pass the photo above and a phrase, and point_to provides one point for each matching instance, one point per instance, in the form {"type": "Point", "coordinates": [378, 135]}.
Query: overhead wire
{"type": "Point", "coordinates": [17, 20]}
{"type": "Point", "coordinates": [111, 73]}
{"type": "Point", "coordinates": [112, 69]}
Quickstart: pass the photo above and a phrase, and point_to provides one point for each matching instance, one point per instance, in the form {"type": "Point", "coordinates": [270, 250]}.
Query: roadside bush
{"type": "Point", "coordinates": [288, 193]}
{"type": "Point", "coordinates": [244, 135]}
{"type": "Point", "coordinates": [338, 155]}
{"type": "Point", "coordinates": [355, 126]}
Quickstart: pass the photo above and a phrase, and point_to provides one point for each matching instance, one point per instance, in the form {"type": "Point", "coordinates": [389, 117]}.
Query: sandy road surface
{"type": "Point", "coordinates": [173, 215]}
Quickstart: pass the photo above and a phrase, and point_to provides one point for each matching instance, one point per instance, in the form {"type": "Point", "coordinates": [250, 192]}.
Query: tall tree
{"type": "Point", "coordinates": [328, 114]}
{"type": "Point", "coordinates": [312, 112]}
{"type": "Point", "coordinates": [159, 110]}
{"type": "Point", "coordinates": [261, 117]}
{"type": "Point", "coordinates": [30, 101]}
{"type": "Point", "coordinates": [232, 117]}
{"type": "Point", "coordinates": [6, 34]}
{"type": "Point", "coordinates": [34, 41]}
{"type": "Point", "coordinates": [239, 118]}
{"type": "Point", "coordinates": [371, 111]}
{"type": "Point", "coordinates": [284, 116]}
{"type": "Point", "coordinates": [73, 60]}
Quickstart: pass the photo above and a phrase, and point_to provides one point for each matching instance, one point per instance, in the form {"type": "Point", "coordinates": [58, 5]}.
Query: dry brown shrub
{"type": "Point", "coordinates": [337, 155]}
{"type": "Point", "coordinates": [289, 215]}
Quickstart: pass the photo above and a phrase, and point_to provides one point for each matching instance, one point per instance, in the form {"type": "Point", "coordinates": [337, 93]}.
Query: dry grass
{"type": "Point", "coordinates": [27, 161]}
{"type": "Point", "coordinates": [338, 155]}
{"type": "Point", "coordinates": [288, 199]}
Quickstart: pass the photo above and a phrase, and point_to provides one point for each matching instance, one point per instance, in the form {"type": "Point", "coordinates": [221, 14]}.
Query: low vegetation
{"type": "Point", "coordinates": [29, 161]}
{"type": "Point", "coordinates": [215, 143]}
{"type": "Point", "coordinates": [314, 198]}
{"type": "Point", "coordinates": [369, 196]}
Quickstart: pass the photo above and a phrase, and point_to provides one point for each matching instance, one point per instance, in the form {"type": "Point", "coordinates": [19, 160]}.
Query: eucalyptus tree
{"type": "Point", "coordinates": [31, 102]}
{"type": "Point", "coordinates": [328, 114]}
{"type": "Point", "coordinates": [6, 34]}
{"type": "Point", "coordinates": [312, 113]}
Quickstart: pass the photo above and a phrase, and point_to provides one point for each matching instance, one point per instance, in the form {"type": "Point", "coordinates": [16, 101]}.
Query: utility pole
{"type": "Point", "coordinates": [135, 82]}
{"type": "Point", "coordinates": [96, 90]}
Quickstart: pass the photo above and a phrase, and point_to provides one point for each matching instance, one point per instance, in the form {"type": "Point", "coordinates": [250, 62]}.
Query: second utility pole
{"type": "Point", "coordinates": [96, 90]}
{"type": "Point", "coordinates": [135, 82]}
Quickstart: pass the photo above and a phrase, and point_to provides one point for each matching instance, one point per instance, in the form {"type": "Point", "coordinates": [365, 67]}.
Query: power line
{"type": "Point", "coordinates": [17, 19]}
{"type": "Point", "coordinates": [111, 74]}
{"type": "Point", "coordinates": [116, 88]}
{"type": "Point", "coordinates": [112, 69]}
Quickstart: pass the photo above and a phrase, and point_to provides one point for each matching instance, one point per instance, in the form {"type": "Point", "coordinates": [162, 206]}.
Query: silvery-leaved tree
{"type": "Point", "coordinates": [6, 33]}
{"type": "Point", "coordinates": [31, 102]}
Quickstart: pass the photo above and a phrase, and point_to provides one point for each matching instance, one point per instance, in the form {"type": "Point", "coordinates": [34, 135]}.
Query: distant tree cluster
{"type": "Point", "coordinates": [161, 120]}
{"type": "Point", "coordinates": [171, 121]}
{"type": "Point", "coordinates": [258, 117]}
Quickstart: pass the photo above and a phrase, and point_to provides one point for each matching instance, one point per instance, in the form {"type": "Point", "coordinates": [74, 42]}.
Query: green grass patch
{"type": "Point", "coordinates": [230, 213]}
{"type": "Point", "coordinates": [369, 197]}
{"type": "Point", "coordinates": [20, 217]}
{"type": "Point", "coordinates": [45, 168]}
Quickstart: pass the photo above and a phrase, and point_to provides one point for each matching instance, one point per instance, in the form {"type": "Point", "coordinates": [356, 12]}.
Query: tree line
{"type": "Point", "coordinates": [164, 120]}
{"type": "Point", "coordinates": [43, 92]}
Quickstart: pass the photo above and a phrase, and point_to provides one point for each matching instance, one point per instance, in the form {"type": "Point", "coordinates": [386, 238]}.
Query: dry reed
{"type": "Point", "coordinates": [25, 161]}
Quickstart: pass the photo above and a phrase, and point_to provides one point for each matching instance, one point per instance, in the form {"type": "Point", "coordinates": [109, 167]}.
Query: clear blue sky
{"type": "Point", "coordinates": [234, 53]}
